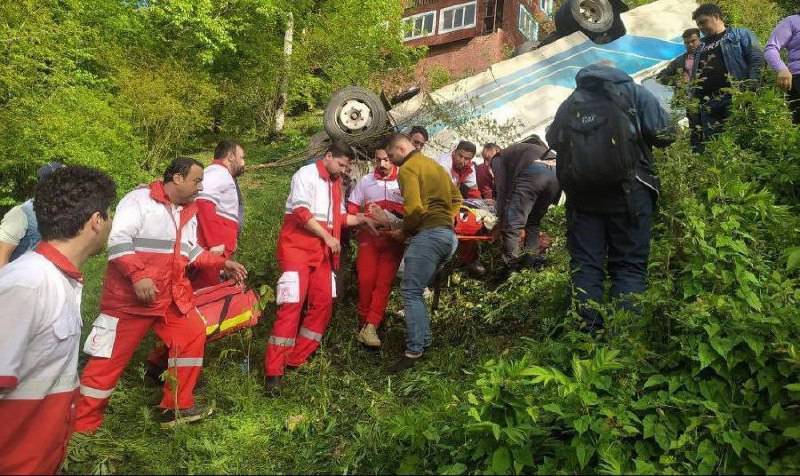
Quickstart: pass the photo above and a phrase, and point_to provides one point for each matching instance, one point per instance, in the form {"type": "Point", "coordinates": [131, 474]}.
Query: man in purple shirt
{"type": "Point", "coordinates": [787, 35]}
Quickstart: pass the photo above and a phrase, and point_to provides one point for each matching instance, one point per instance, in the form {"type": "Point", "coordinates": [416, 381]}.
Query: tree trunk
{"type": "Point", "coordinates": [283, 86]}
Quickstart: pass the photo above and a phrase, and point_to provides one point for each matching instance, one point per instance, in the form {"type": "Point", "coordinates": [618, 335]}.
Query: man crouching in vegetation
{"type": "Point", "coordinates": [430, 203]}
{"type": "Point", "coordinates": [308, 253]}
{"type": "Point", "coordinates": [152, 243]}
{"type": "Point", "coordinates": [40, 294]}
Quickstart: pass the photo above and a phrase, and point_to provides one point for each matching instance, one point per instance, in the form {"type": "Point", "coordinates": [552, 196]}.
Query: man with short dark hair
{"type": "Point", "coordinates": [40, 295]}
{"type": "Point", "coordinates": [18, 230]}
{"type": "Point", "coordinates": [308, 254]}
{"type": "Point", "coordinates": [419, 137]}
{"type": "Point", "coordinates": [679, 70]}
{"type": "Point", "coordinates": [220, 208]}
{"type": "Point", "coordinates": [724, 52]}
{"type": "Point", "coordinates": [458, 164]}
{"type": "Point", "coordinates": [483, 173]}
{"type": "Point", "coordinates": [430, 203]}
{"type": "Point", "coordinates": [152, 243]}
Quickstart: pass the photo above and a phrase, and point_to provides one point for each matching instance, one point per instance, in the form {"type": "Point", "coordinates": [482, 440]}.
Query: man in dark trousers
{"type": "Point", "coordinates": [525, 190]}
{"type": "Point", "coordinates": [724, 53]}
{"type": "Point", "coordinates": [608, 120]}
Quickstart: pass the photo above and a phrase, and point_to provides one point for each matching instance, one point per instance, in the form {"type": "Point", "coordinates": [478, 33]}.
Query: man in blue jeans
{"type": "Point", "coordinates": [430, 203]}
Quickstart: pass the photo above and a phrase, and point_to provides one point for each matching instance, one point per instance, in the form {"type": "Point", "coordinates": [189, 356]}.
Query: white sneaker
{"type": "Point", "coordinates": [368, 336]}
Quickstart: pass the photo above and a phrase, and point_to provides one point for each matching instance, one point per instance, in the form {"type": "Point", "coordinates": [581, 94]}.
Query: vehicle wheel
{"type": "Point", "coordinates": [598, 19]}
{"type": "Point", "coordinates": [354, 114]}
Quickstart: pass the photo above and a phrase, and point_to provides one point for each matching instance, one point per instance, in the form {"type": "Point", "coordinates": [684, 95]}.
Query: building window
{"type": "Point", "coordinates": [546, 6]}
{"type": "Point", "coordinates": [418, 26]}
{"type": "Point", "coordinates": [527, 25]}
{"type": "Point", "coordinates": [457, 17]}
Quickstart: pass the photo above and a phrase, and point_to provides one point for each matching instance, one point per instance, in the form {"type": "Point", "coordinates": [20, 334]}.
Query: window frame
{"type": "Point", "coordinates": [533, 22]}
{"type": "Point", "coordinates": [546, 6]}
{"type": "Point", "coordinates": [463, 26]}
{"type": "Point", "coordinates": [413, 19]}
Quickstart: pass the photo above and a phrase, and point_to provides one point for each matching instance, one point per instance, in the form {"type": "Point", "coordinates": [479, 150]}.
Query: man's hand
{"type": "Point", "coordinates": [333, 244]}
{"type": "Point", "coordinates": [785, 79]}
{"type": "Point", "coordinates": [378, 214]}
{"type": "Point", "coordinates": [145, 290]}
{"type": "Point", "coordinates": [397, 235]}
{"type": "Point", "coordinates": [235, 271]}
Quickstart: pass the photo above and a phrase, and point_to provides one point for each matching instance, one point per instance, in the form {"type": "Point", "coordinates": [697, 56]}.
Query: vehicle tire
{"type": "Point", "coordinates": [598, 19]}
{"type": "Point", "coordinates": [355, 115]}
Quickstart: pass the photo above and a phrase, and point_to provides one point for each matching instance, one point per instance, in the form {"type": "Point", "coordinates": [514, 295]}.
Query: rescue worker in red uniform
{"type": "Point", "coordinates": [220, 208]}
{"type": "Point", "coordinates": [153, 240]}
{"type": "Point", "coordinates": [462, 172]}
{"type": "Point", "coordinates": [40, 295]}
{"type": "Point", "coordinates": [220, 215]}
{"type": "Point", "coordinates": [377, 194]}
{"type": "Point", "coordinates": [308, 253]}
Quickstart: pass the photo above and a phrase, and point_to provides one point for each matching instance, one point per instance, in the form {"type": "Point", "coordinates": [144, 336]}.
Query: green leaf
{"type": "Point", "coordinates": [734, 438]}
{"type": "Point", "coordinates": [584, 454]}
{"type": "Point", "coordinates": [793, 258]}
{"type": "Point", "coordinates": [582, 424]}
{"type": "Point", "coordinates": [452, 469]}
{"type": "Point", "coordinates": [643, 467]}
{"type": "Point", "coordinates": [553, 408]}
{"type": "Point", "coordinates": [501, 461]}
{"type": "Point", "coordinates": [663, 437]}
{"type": "Point", "coordinates": [757, 427]}
{"type": "Point", "coordinates": [655, 380]}
{"type": "Point", "coordinates": [649, 426]}
{"type": "Point", "coordinates": [706, 355]}
{"type": "Point", "coordinates": [409, 465]}
{"type": "Point", "coordinates": [793, 387]}
{"type": "Point", "coordinates": [792, 432]}
{"type": "Point", "coordinates": [755, 344]}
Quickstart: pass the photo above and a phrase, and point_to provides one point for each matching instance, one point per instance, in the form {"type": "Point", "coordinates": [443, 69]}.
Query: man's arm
{"type": "Point", "coordinates": [6, 249]}
{"type": "Point", "coordinates": [213, 231]}
{"type": "Point", "coordinates": [777, 41]}
{"type": "Point", "coordinates": [412, 199]}
{"type": "Point", "coordinates": [668, 75]}
{"type": "Point", "coordinates": [12, 230]}
{"type": "Point", "coordinates": [500, 186]}
{"type": "Point", "coordinates": [656, 123]}
{"type": "Point", "coordinates": [754, 56]}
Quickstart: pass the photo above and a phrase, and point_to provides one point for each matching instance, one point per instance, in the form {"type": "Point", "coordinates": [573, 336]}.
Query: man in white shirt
{"type": "Point", "coordinates": [40, 294]}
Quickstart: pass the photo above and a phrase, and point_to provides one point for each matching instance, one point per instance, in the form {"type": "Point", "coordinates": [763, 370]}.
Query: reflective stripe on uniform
{"type": "Point", "coordinates": [120, 249]}
{"type": "Point", "coordinates": [196, 251]}
{"type": "Point", "coordinates": [281, 341]}
{"type": "Point", "coordinates": [309, 334]}
{"type": "Point", "coordinates": [87, 391]}
{"type": "Point", "coordinates": [185, 362]}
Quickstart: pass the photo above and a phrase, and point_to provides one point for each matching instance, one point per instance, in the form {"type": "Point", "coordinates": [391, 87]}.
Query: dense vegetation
{"type": "Point", "coordinates": [707, 380]}
{"type": "Point", "coordinates": [126, 84]}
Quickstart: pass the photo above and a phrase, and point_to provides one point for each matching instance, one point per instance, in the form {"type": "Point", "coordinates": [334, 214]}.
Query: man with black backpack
{"type": "Point", "coordinates": [603, 134]}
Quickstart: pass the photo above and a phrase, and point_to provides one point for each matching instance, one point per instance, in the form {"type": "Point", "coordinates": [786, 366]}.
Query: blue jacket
{"type": "Point", "coordinates": [742, 53]}
{"type": "Point", "coordinates": [654, 122]}
{"type": "Point", "coordinates": [32, 237]}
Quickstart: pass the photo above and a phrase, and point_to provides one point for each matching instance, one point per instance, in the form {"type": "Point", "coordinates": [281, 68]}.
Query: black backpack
{"type": "Point", "coordinates": [600, 144]}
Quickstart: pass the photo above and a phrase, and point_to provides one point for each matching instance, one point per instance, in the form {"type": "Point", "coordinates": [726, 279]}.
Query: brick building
{"type": "Point", "coordinates": [468, 36]}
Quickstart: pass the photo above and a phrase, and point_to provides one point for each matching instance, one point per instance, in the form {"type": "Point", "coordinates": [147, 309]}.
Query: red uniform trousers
{"type": "Point", "coordinates": [377, 263]}
{"type": "Point", "coordinates": [290, 342]}
{"type": "Point", "coordinates": [185, 337]}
